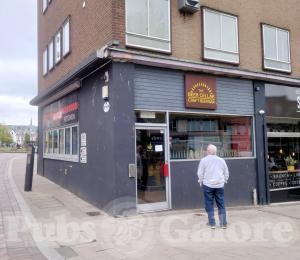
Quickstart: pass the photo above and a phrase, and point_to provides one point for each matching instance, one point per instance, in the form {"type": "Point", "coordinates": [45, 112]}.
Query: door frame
{"type": "Point", "coordinates": [157, 206]}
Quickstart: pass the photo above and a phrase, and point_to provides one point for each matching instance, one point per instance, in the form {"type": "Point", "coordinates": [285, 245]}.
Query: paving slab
{"type": "Point", "coordinates": [59, 219]}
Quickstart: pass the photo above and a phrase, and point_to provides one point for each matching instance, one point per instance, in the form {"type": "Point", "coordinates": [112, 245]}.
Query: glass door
{"type": "Point", "coordinates": [152, 169]}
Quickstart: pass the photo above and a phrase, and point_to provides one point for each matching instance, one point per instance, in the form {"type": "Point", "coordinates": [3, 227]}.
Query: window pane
{"type": "Point", "coordinates": [46, 144]}
{"type": "Point", "coordinates": [50, 142]}
{"type": "Point", "coordinates": [219, 55]}
{"type": "Point", "coordinates": [190, 136]}
{"type": "Point", "coordinates": [229, 33]}
{"type": "Point", "coordinates": [74, 140]}
{"type": "Point", "coordinates": [137, 16]}
{"type": "Point", "coordinates": [270, 43]}
{"type": "Point", "coordinates": [62, 141]}
{"type": "Point", "coordinates": [45, 2]}
{"type": "Point", "coordinates": [212, 30]}
{"type": "Point", "coordinates": [148, 42]}
{"type": "Point", "coordinates": [58, 47]}
{"type": "Point", "coordinates": [283, 45]}
{"type": "Point", "coordinates": [66, 38]}
{"type": "Point", "coordinates": [51, 57]}
{"type": "Point", "coordinates": [159, 18]}
{"type": "Point", "coordinates": [68, 141]}
{"type": "Point", "coordinates": [45, 62]}
{"type": "Point", "coordinates": [55, 141]}
{"type": "Point", "coordinates": [276, 65]}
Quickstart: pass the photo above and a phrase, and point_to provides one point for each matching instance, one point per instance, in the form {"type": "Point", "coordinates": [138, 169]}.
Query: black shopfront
{"type": "Point", "coordinates": [283, 142]}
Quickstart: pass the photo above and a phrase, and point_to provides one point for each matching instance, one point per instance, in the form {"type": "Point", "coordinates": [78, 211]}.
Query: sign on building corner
{"type": "Point", "coordinates": [83, 148]}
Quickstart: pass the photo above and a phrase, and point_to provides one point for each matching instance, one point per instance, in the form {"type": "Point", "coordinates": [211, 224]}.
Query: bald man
{"type": "Point", "coordinates": [212, 175]}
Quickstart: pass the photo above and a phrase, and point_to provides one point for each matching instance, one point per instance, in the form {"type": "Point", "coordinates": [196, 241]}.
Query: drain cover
{"type": "Point", "coordinates": [93, 213]}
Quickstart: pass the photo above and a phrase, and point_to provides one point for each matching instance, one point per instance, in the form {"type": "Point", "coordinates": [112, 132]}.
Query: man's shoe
{"type": "Point", "coordinates": [223, 226]}
{"type": "Point", "coordinates": [211, 226]}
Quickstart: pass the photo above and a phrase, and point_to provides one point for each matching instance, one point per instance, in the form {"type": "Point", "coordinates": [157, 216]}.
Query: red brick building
{"type": "Point", "coordinates": [113, 113]}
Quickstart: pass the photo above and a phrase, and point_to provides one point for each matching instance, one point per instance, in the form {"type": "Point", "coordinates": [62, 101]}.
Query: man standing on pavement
{"type": "Point", "coordinates": [213, 174]}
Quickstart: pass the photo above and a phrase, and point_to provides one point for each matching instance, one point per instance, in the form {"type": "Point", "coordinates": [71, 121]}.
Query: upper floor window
{"type": "Point", "coordinates": [148, 24]}
{"type": "Point", "coordinates": [45, 62]}
{"type": "Point", "coordinates": [66, 37]}
{"type": "Point", "coordinates": [51, 54]}
{"type": "Point", "coordinates": [220, 36]}
{"type": "Point", "coordinates": [45, 5]}
{"type": "Point", "coordinates": [57, 40]}
{"type": "Point", "coordinates": [276, 43]}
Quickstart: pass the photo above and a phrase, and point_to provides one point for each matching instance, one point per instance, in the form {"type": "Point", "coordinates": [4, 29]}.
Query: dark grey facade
{"type": "Point", "coordinates": [111, 137]}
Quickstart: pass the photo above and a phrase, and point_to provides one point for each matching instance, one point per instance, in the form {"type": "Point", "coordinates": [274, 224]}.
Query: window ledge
{"type": "Point", "coordinates": [69, 158]}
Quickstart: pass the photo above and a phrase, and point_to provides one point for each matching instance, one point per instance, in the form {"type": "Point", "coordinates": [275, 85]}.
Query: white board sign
{"type": "Point", "coordinates": [83, 139]}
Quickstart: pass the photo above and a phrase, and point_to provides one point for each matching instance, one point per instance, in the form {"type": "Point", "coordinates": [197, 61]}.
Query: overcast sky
{"type": "Point", "coordinates": [18, 61]}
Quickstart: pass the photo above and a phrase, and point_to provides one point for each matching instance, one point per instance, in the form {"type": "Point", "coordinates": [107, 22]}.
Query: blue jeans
{"type": "Point", "coordinates": [217, 194]}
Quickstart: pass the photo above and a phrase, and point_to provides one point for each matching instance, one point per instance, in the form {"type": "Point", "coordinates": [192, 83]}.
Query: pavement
{"type": "Point", "coordinates": [52, 223]}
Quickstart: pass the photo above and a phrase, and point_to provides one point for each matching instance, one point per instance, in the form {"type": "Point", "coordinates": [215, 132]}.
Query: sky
{"type": "Point", "coordinates": [18, 61]}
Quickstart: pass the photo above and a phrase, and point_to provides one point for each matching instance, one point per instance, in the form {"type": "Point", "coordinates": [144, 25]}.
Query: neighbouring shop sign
{"type": "Point", "coordinates": [200, 91]}
{"type": "Point", "coordinates": [62, 112]}
{"type": "Point", "coordinates": [282, 101]}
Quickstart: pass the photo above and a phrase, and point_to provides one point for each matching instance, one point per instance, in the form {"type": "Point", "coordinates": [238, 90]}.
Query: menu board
{"type": "Point", "coordinates": [284, 179]}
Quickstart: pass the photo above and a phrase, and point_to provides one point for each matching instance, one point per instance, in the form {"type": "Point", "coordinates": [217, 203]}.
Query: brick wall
{"type": "Point", "coordinates": [104, 20]}
{"type": "Point", "coordinates": [90, 29]}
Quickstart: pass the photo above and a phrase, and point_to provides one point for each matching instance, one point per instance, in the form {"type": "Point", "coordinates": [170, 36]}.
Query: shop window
{"type": "Point", "coordinates": [148, 24]}
{"type": "Point", "coordinates": [57, 39]}
{"type": "Point", "coordinates": [68, 141]}
{"type": "Point", "coordinates": [190, 135]}
{"type": "Point", "coordinates": [220, 36]}
{"type": "Point", "coordinates": [45, 62]}
{"type": "Point", "coordinates": [74, 140]}
{"type": "Point", "coordinates": [62, 143]}
{"type": "Point", "coordinates": [66, 37]}
{"type": "Point", "coordinates": [55, 141]}
{"type": "Point", "coordinates": [51, 54]}
{"type": "Point", "coordinates": [276, 46]}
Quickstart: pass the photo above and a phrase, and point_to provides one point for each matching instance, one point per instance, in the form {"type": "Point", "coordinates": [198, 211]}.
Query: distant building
{"type": "Point", "coordinates": [18, 132]}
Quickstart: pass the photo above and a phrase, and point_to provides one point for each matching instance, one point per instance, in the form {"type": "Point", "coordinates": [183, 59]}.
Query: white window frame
{"type": "Point", "coordinates": [237, 52]}
{"type": "Point", "coordinates": [57, 58]}
{"type": "Point", "coordinates": [277, 60]}
{"type": "Point", "coordinates": [59, 156]}
{"type": "Point", "coordinates": [64, 51]}
{"type": "Point", "coordinates": [51, 57]}
{"type": "Point", "coordinates": [45, 62]}
{"type": "Point", "coordinates": [45, 5]}
{"type": "Point", "coordinates": [148, 36]}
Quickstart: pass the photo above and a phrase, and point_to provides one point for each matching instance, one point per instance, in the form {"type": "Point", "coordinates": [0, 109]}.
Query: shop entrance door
{"type": "Point", "coordinates": [152, 181]}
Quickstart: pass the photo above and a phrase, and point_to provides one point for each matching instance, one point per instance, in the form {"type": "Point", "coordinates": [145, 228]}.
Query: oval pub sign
{"type": "Point", "coordinates": [200, 91]}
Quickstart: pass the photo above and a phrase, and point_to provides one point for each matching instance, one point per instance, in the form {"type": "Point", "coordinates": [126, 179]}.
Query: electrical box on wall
{"type": "Point", "coordinates": [189, 6]}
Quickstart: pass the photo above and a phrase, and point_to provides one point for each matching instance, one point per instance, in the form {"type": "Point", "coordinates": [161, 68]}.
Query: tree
{"type": "Point", "coordinates": [26, 139]}
{"type": "Point", "coordinates": [5, 138]}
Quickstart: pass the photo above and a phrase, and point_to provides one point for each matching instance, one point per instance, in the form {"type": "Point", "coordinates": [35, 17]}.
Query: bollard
{"type": "Point", "coordinates": [29, 169]}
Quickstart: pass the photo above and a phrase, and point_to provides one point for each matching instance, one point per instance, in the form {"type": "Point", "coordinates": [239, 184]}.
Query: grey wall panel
{"type": "Point", "coordinates": [187, 194]}
{"type": "Point", "coordinates": [160, 89]}
{"type": "Point", "coordinates": [110, 143]}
